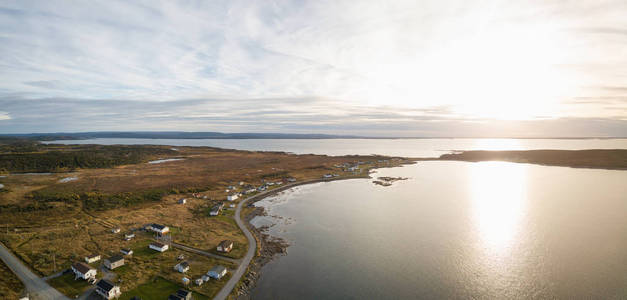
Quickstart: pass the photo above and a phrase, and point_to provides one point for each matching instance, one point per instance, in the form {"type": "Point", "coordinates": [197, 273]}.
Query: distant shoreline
{"type": "Point", "coordinates": [607, 159]}
{"type": "Point", "coordinates": [68, 136]}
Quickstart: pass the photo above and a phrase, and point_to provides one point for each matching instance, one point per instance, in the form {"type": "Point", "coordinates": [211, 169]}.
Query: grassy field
{"type": "Point", "coordinates": [67, 285]}
{"type": "Point", "coordinates": [156, 289]}
{"type": "Point", "coordinates": [10, 285]}
{"type": "Point", "coordinates": [45, 220]}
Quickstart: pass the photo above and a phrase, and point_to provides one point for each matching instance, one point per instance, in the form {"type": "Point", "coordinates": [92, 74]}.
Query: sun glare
{"type": "Point", "coordinates": [498, 195]}
{"type": "Point", "coordinates": [507, 74]}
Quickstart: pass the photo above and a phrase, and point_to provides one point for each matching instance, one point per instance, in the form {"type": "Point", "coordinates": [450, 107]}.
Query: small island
{"type": "Point", "coordinates": [387, 181]}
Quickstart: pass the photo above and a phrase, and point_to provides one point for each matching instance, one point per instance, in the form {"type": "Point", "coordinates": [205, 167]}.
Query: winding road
{"type": "Point", "coordinates": [252, 242]}
{"type": "Point", "coordinates": [37, 288]}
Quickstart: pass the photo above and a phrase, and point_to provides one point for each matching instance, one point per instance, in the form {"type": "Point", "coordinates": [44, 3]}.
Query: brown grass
{"type": "Point", "coordinates": [68, 232]}
{"type": "Point", "coordinates": [10, 285]}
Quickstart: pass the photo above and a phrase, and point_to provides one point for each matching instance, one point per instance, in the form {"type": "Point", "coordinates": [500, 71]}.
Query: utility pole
{"type": "Point", "coordinates": [54, 262]}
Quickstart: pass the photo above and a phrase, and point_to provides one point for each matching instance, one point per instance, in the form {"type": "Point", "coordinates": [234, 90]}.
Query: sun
{"type": "Point", "coordinates": [504, 74]}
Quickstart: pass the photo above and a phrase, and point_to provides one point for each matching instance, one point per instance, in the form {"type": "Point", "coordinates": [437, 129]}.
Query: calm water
{"type": "Point", "coordinates": [454, 230]}
{"type": "Point", "coordinates": [392, 147]}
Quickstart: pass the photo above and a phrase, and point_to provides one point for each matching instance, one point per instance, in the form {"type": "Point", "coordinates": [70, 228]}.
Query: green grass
{"type": "Point", "coordinates": [68, 286]}
{"type": "Point", "coordinates": [157, 288]}
{"type": "Point", "coordinates": [141, 250]}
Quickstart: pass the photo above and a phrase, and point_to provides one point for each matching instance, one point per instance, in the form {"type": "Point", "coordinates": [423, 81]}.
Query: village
{"type": "Point", "coordinates": [186, 245]}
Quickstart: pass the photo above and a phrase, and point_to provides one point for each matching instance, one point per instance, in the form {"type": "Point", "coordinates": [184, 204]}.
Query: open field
{"type": "Point", "coordinates": [68, 286]}
{"type": "Point", "coordinates": [10, 285]}
{"type": "Point", "coordinates": [614, 159]}
{"type": "Point", "coordinates": [49, 222]}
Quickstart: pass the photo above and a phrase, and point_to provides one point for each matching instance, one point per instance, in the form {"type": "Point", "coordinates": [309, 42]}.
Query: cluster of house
{"type": "Point", "coordinates": [216, 272]}
{"type": "Point", "coordinates": [105, 288]}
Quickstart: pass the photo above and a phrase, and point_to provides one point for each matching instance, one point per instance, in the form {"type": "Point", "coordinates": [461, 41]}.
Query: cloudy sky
{"type": "Point", "coordinates": [380, 68]}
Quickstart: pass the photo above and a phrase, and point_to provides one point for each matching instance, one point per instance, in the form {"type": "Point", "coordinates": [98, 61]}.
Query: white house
{"type": "Point", "coordinates": [205, 278]}
{"type": "Point", "coordinates": [160, 229]}
{"type": "Point", "coordinates": [182, 267]}
{"type": "Point", "coordinates": [83, 271]}
{"type": "Point", "coordinates": [182, 201]}
{"type": "Point", "coordinates": [217, 272]}
{"type": "Point", "coordinates": [126, 251]}
{"type": "Point", "coordinates": [92, 258]}
{"type": "Point", "coordinates": [115, 230]}
{"type": "Point", "coordinates": [129, 236]}
{"type": "Point", "coordinates": [232, 197]}
{"type": "Point", "coordinates": [107, 289]}
{"type": "Point", "coordinates": [199, 281]}
{"type": "Point", "coordinates": [158, 247]}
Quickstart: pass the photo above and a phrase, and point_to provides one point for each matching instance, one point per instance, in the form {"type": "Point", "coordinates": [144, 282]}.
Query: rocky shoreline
{"type": "Point", "coordinates": [268, 248]}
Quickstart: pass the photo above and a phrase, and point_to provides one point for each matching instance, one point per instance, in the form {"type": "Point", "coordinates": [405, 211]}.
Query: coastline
{"type": "Point", "coordinates": [268, 247]}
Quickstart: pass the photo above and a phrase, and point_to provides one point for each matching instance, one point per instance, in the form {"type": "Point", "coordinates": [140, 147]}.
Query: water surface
{"type": "Point", "coordinates": [391, 147]}
{"type": "Point", "coordinates": [489, 230]}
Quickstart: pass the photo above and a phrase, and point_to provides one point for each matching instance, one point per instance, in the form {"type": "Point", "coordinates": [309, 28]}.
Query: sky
{"type": "Point", "coordinates": [374, 68]}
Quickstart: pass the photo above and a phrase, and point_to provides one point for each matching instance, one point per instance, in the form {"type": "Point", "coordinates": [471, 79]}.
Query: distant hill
{"type": "Point", "coordinates": [168, 135]}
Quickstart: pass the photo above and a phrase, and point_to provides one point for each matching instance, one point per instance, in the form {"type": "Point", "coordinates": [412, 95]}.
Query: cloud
{"type": "Point", "coordinates": [307, 65]}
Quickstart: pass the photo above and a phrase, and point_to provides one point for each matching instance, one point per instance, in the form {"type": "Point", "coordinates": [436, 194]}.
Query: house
{"type": "Point", "coordinates": [114, 262]}
{"type": "Point", "coordinates": [182, 201]}
{"type": "Point", "coordinates": [232, 197]}
{"type": "Point", "coordinates": [291, 179]}
{"type": "Point", "coordinates": [160, 229]}
{"type": "Point", "coordinates": [225, 246]}
{"type": "Point", "coordinates": [126, 251]}
{"type": "Point", "coordinates": [182, 267]}
{"type": "Point", "coordinates": [83, 271]}
{"type": "Point", "coordinates": [199, 281]}
{"type": "Point", "coordinates": [217, 272]}
{"type": "Point", "coordinates": [115, 230]}
{"type": "Point", "coordinates": [158, 246]}
{"type": "Point", "coordinates": [250, 191]}
{"type": "Point", "coordinates": [129, 236]}
{"type": "Point", "coordinates": [107, 289]}
{"type": "Point", "coordinates": [327, 176]}
{"type": "Point", "coordinates": [205, 278]}
{"type": "Point", "coordinates": [232, 205]}
{"type": "Point", "coordinates": [92, 258]}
